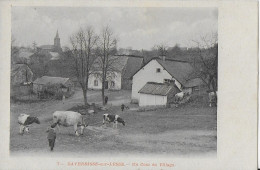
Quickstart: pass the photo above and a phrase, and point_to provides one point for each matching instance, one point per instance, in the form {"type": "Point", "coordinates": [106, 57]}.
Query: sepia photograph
{"type": "Point", "coordinates": [158, 85]}
{"type": "Point", "coordinates": [114, 80]}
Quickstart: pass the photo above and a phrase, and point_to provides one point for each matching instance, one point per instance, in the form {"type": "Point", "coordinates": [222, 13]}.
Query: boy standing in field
{"type": "Point", "coordinates": [51, 136]}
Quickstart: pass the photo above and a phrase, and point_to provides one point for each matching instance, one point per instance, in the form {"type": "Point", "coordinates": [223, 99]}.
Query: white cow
{"type": "Point", "coordinates": [179, 96]}
{"type": "Point", "coordinates": [25, 120]}
{"type": "Point", "coordinates": [70, 118]}
{"type": "Point", "coordinates": [212, 98]}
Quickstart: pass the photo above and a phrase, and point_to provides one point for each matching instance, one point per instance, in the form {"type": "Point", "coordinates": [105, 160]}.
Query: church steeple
{"type": "Point", "coordinates": [57, 42]}
{"type": "Point", "coordinates": [57, 34]}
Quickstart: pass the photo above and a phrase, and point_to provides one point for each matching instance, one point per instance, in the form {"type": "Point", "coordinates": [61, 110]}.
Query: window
{"type": "Point", "coordinates": [169, 81]}
{"type": "Point", "coordinates": [158, 70]}
{"type": "Point", "coordinates": [95, 83]}
{"type": "Point", "coordinates": [112, 84]}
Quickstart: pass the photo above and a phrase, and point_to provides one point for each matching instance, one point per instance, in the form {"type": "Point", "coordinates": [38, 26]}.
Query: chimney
{"type": "Point", "coordinates": [162, 57]}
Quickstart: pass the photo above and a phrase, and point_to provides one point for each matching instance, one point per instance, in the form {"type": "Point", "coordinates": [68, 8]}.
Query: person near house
{"type": "Point", "coordinates": [51, 136]}
{"type": "Point", "coordinates": [63, 99]}
{"type": "Point", "coordinates": [106, 100]}
{"type": "Point", "coordinates": [122, 107]}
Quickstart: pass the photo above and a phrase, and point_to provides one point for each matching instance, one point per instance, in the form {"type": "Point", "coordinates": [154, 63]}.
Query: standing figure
{"type": "Point", "coordinates": [106, 100]}
{"type": "Point", "coordinates": [63, 98]}
{"type": "Point", "coordinates": [122, 107]}
{"type": "Point", "coordinates": [51, 136]}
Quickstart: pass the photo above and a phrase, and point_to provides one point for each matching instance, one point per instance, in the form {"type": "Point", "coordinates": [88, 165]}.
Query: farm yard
{"type": "Point", "coordinates": [185, 130]}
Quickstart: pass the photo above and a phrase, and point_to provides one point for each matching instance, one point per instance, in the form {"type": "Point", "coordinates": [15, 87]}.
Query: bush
{"type": "Point", "coordinates": [58, 95]}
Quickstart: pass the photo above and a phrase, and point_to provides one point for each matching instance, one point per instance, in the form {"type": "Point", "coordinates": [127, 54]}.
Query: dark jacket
{"type": "Point", "coordinates": [51, 134]}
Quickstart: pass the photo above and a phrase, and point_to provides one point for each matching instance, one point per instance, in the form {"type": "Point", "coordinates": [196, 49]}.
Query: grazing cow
{"type": "Point", "coordinates": [112, 118]}
{"type": "Point", "coordinates": [212, 98]}
{"type": "Point", "coordinates": [69, 118]}
{"type": "Point", "coordinates": [25, 120]}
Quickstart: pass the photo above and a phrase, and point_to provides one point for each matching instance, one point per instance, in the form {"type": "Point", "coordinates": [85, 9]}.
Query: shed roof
{"type": "Point", "coordinates": [158, 89]}
{"type": "Point", "coordinates": [51, 80]}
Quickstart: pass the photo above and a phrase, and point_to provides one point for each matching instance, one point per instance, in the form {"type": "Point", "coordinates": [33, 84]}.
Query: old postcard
{"type": "Point", "coordinates": [129, 85]}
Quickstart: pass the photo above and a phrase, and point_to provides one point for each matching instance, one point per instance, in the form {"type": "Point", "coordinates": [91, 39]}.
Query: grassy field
{"type": "Point", "coordinates": [188, 129]}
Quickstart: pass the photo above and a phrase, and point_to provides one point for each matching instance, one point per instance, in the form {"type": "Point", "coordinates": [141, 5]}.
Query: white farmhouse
{"type": "Point", "coordinates": [161, 70]}
{"type": "Point", "coordinates": [120, 77]}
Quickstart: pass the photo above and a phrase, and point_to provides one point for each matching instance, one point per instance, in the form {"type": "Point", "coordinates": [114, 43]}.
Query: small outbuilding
{"type": "Point", "coordinates": [53, 85]}
{"type": "Point", "coordinates": [157, 94]}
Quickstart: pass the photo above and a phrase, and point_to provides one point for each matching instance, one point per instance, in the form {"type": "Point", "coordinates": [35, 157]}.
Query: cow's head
{"type": "Point", "coordinates": [36, 120]}
{"type": "Point", "coordinates": [54, 125]}
{"type": "Point", "coordinates": [120, 120]}
{"type": "Point", "coordinates": [83, 125]}
{"type": "Point", "coordinates": [26, 129]}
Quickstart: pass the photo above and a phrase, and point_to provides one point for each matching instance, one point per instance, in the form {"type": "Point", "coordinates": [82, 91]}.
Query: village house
{"type": "Point", "coordinates": [53, 85]}
{"type": "Point", "coordinates": [124, 66]}
{"type": "Point", "coordinates": [20, 55]}
{"type": "Point", "coordinates": [162, 70]}
{"type": "Point", "coordinates": [20, 73]}
{"type": "Point", "coordinates": [21, 79]}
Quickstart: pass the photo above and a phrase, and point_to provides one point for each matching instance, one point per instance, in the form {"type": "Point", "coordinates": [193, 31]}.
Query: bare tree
{"type": "Point", "coordinates": [83, 44]}
{"type": "Point", "coordinates": [34, 46]}
{"type": "Point", "coordinates": [162, 49]}
{"type": "Point", "coordinates": [106, 61]}
{"type": "Point", "coordinates": [206, 60]}
{"type": "Point", "coordinates": [14, 50]}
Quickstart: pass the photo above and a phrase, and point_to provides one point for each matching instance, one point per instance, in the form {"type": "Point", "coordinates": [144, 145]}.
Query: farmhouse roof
{"type": "Point", "coordinates": [123, 63]}
{"type": "Point", "coordinates": [118, 62]}
{"type": "Point", "coordinates": [133, 64]}
{"type": "Point", "coordinates": [193, 82]}
{"type": "Point", "coordinates": [51, 80]}
{"type": "Point", "coordinates": [158, 89]}
{"type": "Point", "coordinates": [177, 69]}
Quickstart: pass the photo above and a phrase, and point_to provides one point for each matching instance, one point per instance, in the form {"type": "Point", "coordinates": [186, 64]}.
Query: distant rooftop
{"type": "Point", "coordinates": [47, 47]}
{"type": "Point", "coordinates": [51, 80]}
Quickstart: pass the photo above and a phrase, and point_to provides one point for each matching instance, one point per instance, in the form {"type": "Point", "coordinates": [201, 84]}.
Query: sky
{"type": "Point", "coordinates": [136, 28]}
